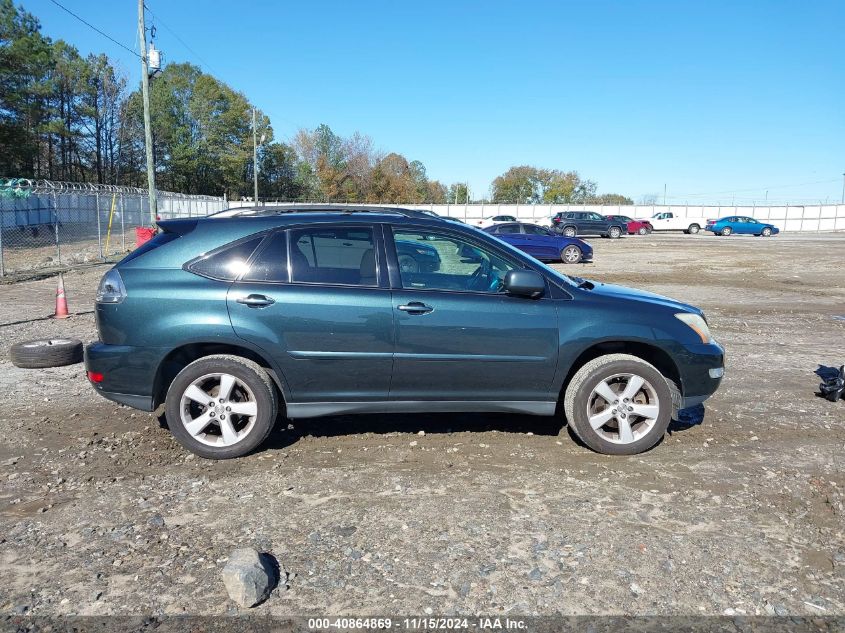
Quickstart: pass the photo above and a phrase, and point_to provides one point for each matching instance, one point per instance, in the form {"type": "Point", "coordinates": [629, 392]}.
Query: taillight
{"type": "Point", "coordinates": [111, 288]}
{"type": "Point", "coordinates": [95, 376]}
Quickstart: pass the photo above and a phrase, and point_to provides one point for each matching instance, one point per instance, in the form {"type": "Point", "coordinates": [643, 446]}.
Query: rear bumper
{"type": "Point", "coordinates": [128, 372]}
{"type": "Point", "coordinates": [144, 403]}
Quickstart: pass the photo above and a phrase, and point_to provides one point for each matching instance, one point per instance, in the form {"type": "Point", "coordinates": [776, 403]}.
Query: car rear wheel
{"type": "Point", "coordinates": [726, 231]}
{"type": "Point", "coordinates": [569, 231]}
{"type": "Point", "coordinates": [767, 232]}
{"type": "Point", "coordinates": [618, 404]}
{"type": "Point", "coordinates": [571, 255]}
{"type": "Point", "coordinates": [692, 229]}
{"type": "Point", "coordinates": [614, 232]}
{"type": "Point", "coordinates": [221, 406]}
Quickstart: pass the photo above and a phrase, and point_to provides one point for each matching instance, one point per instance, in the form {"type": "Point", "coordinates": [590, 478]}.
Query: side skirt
{"type": "Point", "coordinates": [317, 409]}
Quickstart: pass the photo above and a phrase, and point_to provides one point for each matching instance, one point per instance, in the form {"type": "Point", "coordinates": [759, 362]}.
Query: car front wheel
{"type": "Point", "coordinates": [618, 404]}
{"type": "Point", "coordinates": [767, 232]}
{"type": "Point", "coordinates": [643, 230]}
{"type": "Point", "coordinates": [571, 255]}
{"type": "Point", "coordinates": [221, 406]}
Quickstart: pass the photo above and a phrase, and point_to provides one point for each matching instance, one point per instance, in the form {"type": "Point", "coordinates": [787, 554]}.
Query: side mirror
{"type": "Point", "coordinates": [524, 283]}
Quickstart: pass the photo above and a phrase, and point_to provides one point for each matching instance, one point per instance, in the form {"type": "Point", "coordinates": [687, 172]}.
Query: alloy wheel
{"type": "Point", "coordinates": [218, 409]}
{"type": "Point", "coordinates": [571, 255]}
{"type": "Point", "coordinates": [623, 408]}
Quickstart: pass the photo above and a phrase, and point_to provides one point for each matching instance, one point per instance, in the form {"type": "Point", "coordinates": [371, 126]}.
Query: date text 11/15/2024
{"type": "Point", "coordinates": [417, 623]}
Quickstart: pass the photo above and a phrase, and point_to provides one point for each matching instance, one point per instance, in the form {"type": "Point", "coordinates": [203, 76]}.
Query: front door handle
{"type": "Point", "coordinates": [256, 301]}
{"type": "Point", "coordinates": [415, 307]}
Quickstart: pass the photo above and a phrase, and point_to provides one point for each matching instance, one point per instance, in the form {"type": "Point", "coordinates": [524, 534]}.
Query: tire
{"type": "Point", "coordinates": [569, 231]}
{"type": "Point", "coordinates": [46, 353]}
{"type": "Point", "coordinates": [252, 384]}
{"type": "Point", "coordinates": [407, 264]}
{"type": "Point", "coordinates": [767, 232]}
{"type": "Point", "coordinates": [642, 432]}
{"type": "Point", "coordinates": [571, 255]}
{"type": "Point", "coordinates": [725, 231]}
{"type": "Point", "coordinates": [693, 229]}
{"type": "Point", "coordinates": [614, 232]}
{"type": "Point", "coordinates": [642, 231]}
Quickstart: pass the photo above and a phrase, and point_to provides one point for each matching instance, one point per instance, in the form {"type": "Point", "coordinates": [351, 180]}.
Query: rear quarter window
{"type": "Point", "coordinates": [226, 263]}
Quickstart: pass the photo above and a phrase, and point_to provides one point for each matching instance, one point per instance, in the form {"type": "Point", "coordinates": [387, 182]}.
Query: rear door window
{"type": "Point", "coordinates": [533, 229]}
{"type": "Point", "coordinates": [333, 255]}
{"type": "Point", "coordinates": [271, 264]}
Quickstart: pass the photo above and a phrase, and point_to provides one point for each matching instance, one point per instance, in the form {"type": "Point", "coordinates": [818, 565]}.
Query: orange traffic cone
{"type": "Point", "coordinates": [61, 302]}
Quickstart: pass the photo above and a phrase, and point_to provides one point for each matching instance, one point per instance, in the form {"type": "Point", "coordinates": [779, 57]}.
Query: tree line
{"type": "Point", "coordinates": [64, 116]}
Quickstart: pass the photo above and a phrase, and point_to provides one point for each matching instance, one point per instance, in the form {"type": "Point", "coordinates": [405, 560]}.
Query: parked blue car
{"type": "Point", "coordinates": [741, 225]}
{"type": "Point", "coordinates": [543, 244]}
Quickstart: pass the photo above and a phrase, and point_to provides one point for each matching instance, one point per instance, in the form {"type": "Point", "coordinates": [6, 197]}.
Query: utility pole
{"type": "Point", "coordinates": [255, 154]}
{"type": "Point", "coordinates": [664, 194]}
{"type": "Point", "coordinates": [148, 132]}
{"type": "Point", "coordinates": [843, 188]}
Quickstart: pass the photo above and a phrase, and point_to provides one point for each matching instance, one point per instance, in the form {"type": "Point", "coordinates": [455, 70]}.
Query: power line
{"type": "Point", "coordinates": [91, 26]}
{"type": "Point", "coordinates": [180, 40]}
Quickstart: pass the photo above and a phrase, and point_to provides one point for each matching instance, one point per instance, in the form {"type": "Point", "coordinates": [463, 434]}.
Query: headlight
{"type": "Point", "coordinates": [696, 323]}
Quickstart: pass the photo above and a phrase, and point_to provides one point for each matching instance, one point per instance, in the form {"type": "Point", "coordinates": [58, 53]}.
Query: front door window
{"type": "Point", "coordinates": [463, 266]}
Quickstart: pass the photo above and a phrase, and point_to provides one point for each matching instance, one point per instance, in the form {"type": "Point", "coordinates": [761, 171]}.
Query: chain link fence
{"type": "Point", "coordinates": [47, 224]}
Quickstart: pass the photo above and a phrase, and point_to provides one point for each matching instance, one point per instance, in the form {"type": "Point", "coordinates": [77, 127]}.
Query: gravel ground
{"type": "Point", "coordinates": [738, 511]}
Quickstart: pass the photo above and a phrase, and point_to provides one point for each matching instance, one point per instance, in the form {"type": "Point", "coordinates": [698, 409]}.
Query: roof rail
{"type": "Point", "coordinates": [278, 209]}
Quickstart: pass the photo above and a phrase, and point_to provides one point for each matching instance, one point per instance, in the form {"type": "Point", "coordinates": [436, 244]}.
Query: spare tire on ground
{"type": "Point", "coordinates": [46, 353]}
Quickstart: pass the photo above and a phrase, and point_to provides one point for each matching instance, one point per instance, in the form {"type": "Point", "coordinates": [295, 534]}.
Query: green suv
{"type": "Point", "coordinates": [307, 311]}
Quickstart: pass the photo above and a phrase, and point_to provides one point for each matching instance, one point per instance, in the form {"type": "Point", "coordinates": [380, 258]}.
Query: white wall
{"type": "Point", "coordinates": [797, 218]}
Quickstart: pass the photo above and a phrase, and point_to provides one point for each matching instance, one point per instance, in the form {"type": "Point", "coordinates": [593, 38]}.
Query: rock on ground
{"type": "Point", "coordinates": [248, 577]}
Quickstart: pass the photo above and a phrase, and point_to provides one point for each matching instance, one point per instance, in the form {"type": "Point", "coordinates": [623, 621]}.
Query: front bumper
{"type": "Point", "coordinates": [128, 372]}
{"type": "Point", "coordinates": [702, 369]}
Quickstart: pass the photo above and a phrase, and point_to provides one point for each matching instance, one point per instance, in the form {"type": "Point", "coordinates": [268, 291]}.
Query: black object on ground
{"type": "Point", "coordinates": [46, 353]}
{"type": "Point", "coordinates": [833, 382]}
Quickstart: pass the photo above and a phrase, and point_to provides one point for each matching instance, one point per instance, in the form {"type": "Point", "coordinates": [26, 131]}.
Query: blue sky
{"type": "Point", "coordinates": [719, 101]}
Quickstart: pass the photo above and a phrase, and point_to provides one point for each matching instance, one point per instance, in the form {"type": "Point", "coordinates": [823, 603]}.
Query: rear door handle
{"type": "Point", "coordinates": [415, 307]}
{"type": "Point", "coordinates": [256, 301]}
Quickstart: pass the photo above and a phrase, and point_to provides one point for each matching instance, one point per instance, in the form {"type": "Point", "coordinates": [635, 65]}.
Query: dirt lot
{"type": "Point", "coordinates": [738, 512]}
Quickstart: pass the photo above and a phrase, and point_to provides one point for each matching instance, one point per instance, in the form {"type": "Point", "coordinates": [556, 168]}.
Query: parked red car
{"type": "Point", "coordinates": [635, 227]}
